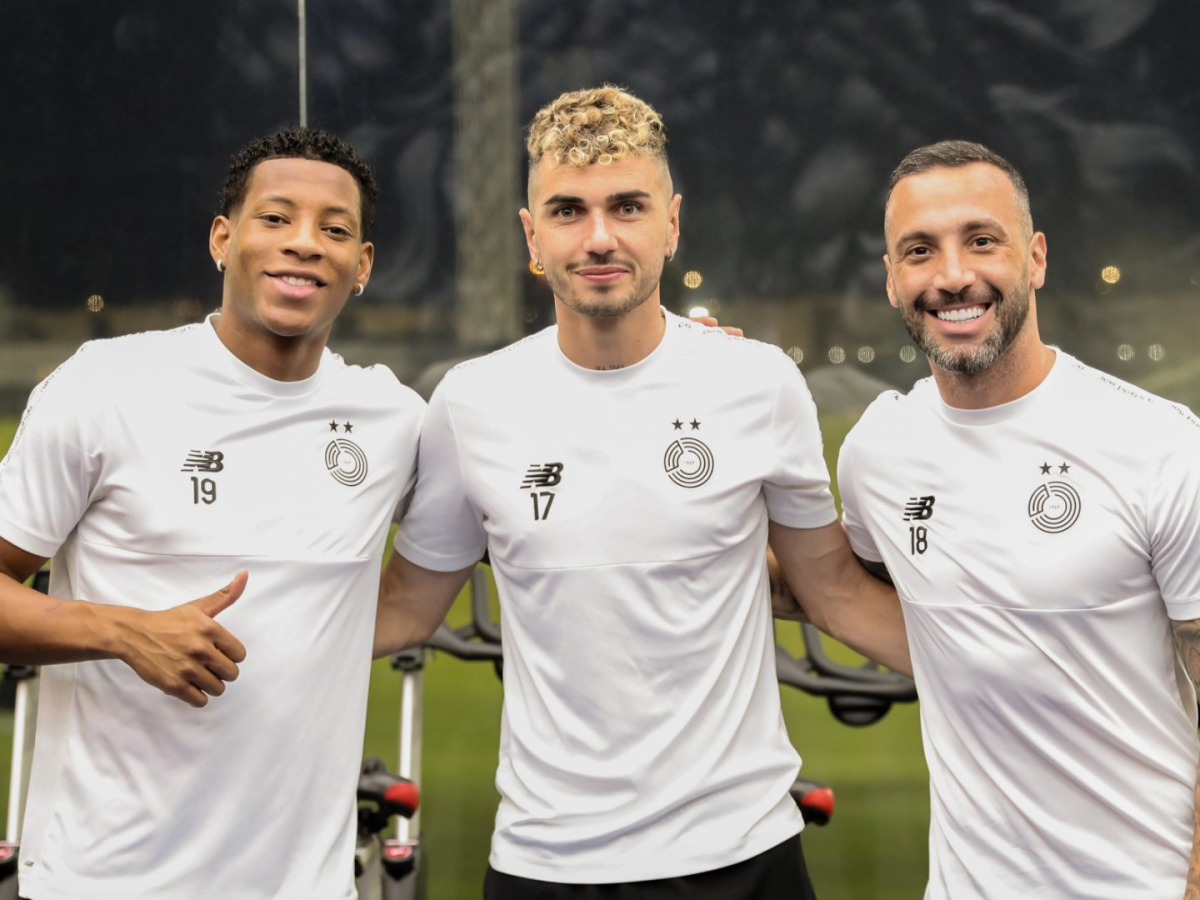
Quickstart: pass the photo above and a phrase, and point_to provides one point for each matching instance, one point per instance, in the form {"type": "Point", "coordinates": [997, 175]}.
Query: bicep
{"type": "Point", "coordinates": [413, 601]}
{"type": "Point", "coordinates": [18, 564]}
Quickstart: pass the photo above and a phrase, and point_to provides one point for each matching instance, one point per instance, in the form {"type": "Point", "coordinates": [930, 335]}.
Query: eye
{"type": "Point", "coordinates": [564, 212]}
{"type": "Point", "coordinates": [629, 208]}
{"type": "Point", "coordinates": [917, 251]}
{"type": "Point", "coordinates": [273, 219]}
{"type": "Point", "coordinates": [339, 231]}
{"type": "Point", "coordinates": [982, 242]}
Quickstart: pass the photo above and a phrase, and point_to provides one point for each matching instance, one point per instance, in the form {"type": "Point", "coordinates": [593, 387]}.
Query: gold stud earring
{"type": "Point", "coordinates": [536, 267]}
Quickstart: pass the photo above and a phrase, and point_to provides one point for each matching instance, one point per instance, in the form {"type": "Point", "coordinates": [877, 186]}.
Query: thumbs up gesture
{"type": "Point", "coordinates": [183, 651]}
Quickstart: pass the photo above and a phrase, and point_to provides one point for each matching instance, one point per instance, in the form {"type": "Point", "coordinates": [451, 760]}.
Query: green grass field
{"type": "Point", "coordinates": [874, 849]}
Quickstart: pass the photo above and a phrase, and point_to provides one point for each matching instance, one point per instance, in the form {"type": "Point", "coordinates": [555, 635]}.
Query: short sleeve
{"type": "Point", "coordinates": [441, 530]}
{"type": "Point", "coordinates": [49, 476]}
{"type": "Point", "coordinates": [860, 538]}
{"type": "Point", "coordinates": [797, 488]}
{"type": "Point", "coordinates": [1174, 526]}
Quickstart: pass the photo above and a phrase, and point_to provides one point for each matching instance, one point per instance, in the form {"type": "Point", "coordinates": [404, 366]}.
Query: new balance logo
{"type": "Point", "coordinates": [918, 508]}
{"type": "Point", "coordinates": [542, 475]}
{"type": "Point", "coordinates": [204, 461]}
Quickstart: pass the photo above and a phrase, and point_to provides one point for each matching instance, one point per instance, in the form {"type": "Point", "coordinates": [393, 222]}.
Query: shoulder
{"type": "Point", "coordinates": [893, 407]}
{"type": "Point", "coordinates": [704, 341]}
{"type": "Point", "coordinates": [99, 365]}
{"type": "Point", "coordinates": [503, 365]}
{"type": "Point", "coordinates": [373, 384]}
{"type": "Point", "coordinates": [1123, 407]}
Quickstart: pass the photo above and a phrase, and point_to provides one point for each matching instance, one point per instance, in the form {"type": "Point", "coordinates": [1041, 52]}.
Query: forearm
{"type": "Point", "coordinates": [870, 619]}
{"type": "Point", "coordinates": [1192, 891]}
{"type": "Point", "coordinates": [1187, 641]}
{"type": "Point", "coordinates": [839, 596]}
{"type": "Point", "coordinates": [39, 630]}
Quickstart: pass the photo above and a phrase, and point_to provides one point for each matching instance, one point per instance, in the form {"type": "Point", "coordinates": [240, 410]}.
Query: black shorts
{"type": "Point", "coordinates": [777, 874]}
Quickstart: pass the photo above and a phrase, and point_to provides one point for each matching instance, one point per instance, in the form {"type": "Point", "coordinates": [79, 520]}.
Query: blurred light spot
{"type": "Point", "coordinates": [692, 279]}
{"type": "Point", "coordinates": [908, 354]}
{"type": "Point", "coordinates": [796, 354]}
{"type": "Point", "coordinates": [95, 303]}
{"type": "Point", "coordinates": [837, 355]}
{"type": "Point", "coordinates": [1110, 274]}
{"type": "Point", "coordinates": [1125, 353]}
{"type": "Point", "coordinates": [866, 354]}
{"type": "Point", "coordinates": [696, 311]}
{"type": "Point", "coordinates": [1157, 352]}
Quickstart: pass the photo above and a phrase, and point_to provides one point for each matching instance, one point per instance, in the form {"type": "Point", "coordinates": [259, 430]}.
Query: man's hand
{"type": "Point", "coordinates": [783, 602]}
{"type": "Point", "coordinates": [712, 322]}
{"type": "Point", "coordinates": [182, 651]}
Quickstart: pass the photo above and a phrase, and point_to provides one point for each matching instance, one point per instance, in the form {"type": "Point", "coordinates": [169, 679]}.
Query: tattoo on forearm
{"type": "Point", "coordinates": [1187, 640]}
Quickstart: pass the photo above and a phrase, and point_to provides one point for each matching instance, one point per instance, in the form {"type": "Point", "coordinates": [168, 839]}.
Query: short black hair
{"type": "Point", "coordinates": [954, 155]}
{"type": "Point", "coordinates": [299, 143]}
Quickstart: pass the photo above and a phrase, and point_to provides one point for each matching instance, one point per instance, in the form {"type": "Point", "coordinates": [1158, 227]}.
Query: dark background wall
{"type": "Point", "coordinates": [785, 119]}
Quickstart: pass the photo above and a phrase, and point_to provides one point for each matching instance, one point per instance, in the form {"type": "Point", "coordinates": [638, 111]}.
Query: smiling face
{"type": "Point", "coordinates": [293, 251]}
{"type": "Point", "coordinates": [602, 232]}
{"type": "Point", "coordinates": [963, 265]}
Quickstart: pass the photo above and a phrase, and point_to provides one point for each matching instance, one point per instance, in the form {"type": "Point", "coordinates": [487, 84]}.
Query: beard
{"type": "Point", "coordinates": [1011, 309]}
{"type": "Point", "coordinates": [605, 303]}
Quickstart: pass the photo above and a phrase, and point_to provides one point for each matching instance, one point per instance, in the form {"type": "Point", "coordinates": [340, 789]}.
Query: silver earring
{"type": "Point", "coordinates": [220, 265]}
{"type": "Point", "coordinates": [671, 256]}
{"type": "Point", "coordinates": [358, 290]}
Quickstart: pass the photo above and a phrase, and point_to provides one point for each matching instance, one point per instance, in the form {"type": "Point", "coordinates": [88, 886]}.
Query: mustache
{"type": "Point", "coordinates": [969, 296]}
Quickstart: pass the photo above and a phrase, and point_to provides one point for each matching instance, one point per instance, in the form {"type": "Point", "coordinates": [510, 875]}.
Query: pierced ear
{"type": "Point", "coordinates": [218, 238]}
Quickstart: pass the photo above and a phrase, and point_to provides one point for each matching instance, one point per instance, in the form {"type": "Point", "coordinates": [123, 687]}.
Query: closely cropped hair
{"type": "Point", "coordinates": [599, 125]}
{"type": "Point", "coordinates": [954, 155]}
{"type": "Point", "coordinates": [299, 143]}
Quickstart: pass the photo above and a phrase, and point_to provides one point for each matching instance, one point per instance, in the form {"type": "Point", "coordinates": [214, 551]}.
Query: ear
{"type": "Point", "coordinates": [1037, 261]}
{"type": "Point", "coordinates": [527, 224]}
{"type": "Point", "coordinates": [891, 285]}
{"type": "Point", "coordinates": [673, 224]}
{"type": "Point", "coordinates": [218, 238]}
{"type": "Point", "coordinates": [366, 262]}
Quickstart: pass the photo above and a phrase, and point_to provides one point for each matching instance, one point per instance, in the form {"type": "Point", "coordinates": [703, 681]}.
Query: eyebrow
{"type": "Point", "coordinates": [289, 202]}
{"type": "Point", "coordinates": [611, 198]}
{"type": "Point", "coordinates": [985, 224]}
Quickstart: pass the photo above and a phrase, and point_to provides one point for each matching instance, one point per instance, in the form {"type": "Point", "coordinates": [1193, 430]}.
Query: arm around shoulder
{"type": "Point", "coordinates": [839, 596]}
{"type": "Point", "coordinates": [413, 602]}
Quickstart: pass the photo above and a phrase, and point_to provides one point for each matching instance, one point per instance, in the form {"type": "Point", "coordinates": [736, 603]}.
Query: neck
{"type": "Point", "coordinates": [602, 342]}
{"type": "Point", "coordinates": [1016, 373]}
{"type": "Point", "coordinates": [277, 357]}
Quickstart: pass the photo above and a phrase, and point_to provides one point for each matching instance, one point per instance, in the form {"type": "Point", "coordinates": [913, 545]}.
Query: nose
{"type": "Point", "coordinates": [954, 272]}
{"type": "Point", "coordinates": [600, 239]}
{"type": "Point", "coordinates": [303, 239]}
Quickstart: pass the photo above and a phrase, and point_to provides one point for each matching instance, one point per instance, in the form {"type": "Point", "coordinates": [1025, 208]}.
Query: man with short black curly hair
{"type": "Point", "coordinates": [153, 467]}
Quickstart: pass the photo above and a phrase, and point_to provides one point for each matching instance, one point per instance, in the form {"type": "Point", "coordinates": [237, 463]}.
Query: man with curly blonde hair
{"type": "Point", "coordinates": [622, 470]}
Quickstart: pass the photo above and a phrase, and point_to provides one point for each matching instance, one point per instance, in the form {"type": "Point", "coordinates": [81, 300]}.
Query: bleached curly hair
{"type": "Point", "coordinates": [598, 125]}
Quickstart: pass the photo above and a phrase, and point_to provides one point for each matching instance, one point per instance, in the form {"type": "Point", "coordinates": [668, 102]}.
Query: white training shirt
{"type": "Point", "coordinates": [1040, 549]}
{"type": "Point", "coordinates": [153, 467]}
{"type": "Point", "coordinates": [625, 514]}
